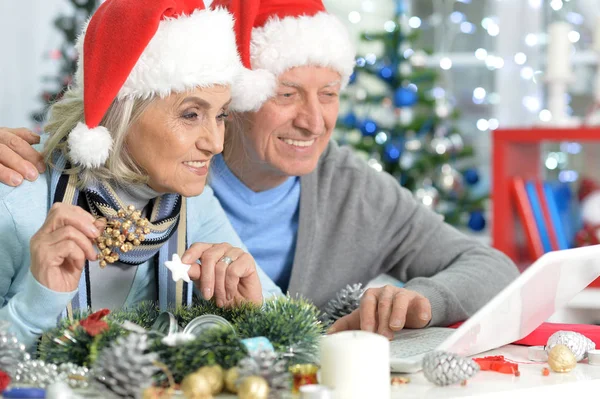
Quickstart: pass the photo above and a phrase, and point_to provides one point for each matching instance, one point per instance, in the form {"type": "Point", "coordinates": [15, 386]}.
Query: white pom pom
{"type": "Point", "coordinates": [590, 208]}
{"type": "Point", "coordinates": [251, 89]}
{"type": "Point", "coordinates": [89, 147]}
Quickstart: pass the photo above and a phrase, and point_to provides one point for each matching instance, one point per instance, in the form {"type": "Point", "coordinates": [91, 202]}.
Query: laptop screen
{"type": "Point", "coordinates": [546, 286]}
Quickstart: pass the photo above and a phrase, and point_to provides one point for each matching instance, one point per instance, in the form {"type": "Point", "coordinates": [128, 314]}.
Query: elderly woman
{"type": "Point", "coordinates": [127, 143]}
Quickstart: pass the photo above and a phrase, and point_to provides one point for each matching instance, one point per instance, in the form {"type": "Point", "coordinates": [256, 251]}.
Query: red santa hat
{"type": "Point", "coordinates": [276, 35]}
{"type": "Point", "coordinates": [139, 49]}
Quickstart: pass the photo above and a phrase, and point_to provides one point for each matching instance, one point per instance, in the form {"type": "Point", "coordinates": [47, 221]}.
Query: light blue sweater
{"type": "Point", "coordinates": [32, 308]}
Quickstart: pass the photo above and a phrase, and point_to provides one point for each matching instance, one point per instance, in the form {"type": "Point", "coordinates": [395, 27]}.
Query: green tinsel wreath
{"type": "Point", "coordinates": [291, 324]}
{"type": "Point", "coordinates": [71, 343]}
{"type": "Point", "coordinates": [216, 346]}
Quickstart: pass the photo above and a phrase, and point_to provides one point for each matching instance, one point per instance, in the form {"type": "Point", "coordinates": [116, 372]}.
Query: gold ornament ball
{"type": "Point", "coordinates": [231, 377]}
{"type": "Point", "coordinates": [214, 376]}
{"type": "Point", "coordinates": [561, 359]}
{"type": "Point", "coordinates": [196, 386]}
{"type": "Point", "coordinates": [253, 387]}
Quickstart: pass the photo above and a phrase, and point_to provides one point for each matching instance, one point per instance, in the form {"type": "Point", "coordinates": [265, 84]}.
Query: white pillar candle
{"type": "Point", "coordinates": [356, 365]}
{"type": "Point", "coordinates": [315, 392]}
{"type": "Point", "coordinates": [559, 52]}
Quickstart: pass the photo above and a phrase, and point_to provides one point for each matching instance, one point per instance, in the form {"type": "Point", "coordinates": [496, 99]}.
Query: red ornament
{"type": "Point", "coordinates": [303, 374]}
{"type": "Point", "coordinates": [400, 381]}
{"type": "Point", "coordinates": [4, 381]}
{"type": "Point", "coordinates": [545, 372]}
{"type": "Point", "coordinates": [93, 324]}
{"type": "Point", "coordinates": [498, 364]}
{"type": "Point", "coordinates": [588, 235]}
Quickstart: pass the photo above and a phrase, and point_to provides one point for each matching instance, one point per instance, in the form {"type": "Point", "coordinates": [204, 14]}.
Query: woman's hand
{"type": "Point", "coordinates": [61, 246]}
{"type": "Point", "coordinates": [386, 310]}
{"type": "Point", "coordinates": [226, 272]}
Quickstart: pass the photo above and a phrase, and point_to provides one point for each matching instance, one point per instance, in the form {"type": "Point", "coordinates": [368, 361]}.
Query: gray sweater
{"type": "Point", "coordinates": [357, 223]}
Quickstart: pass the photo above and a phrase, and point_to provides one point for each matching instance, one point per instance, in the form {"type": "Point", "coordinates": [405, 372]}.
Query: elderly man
{"type": "Point", "coordinates": [315, 216]}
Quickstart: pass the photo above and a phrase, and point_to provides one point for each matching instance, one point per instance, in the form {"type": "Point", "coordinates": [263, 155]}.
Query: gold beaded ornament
{"type": "Point", "coordinates": [124, 232]}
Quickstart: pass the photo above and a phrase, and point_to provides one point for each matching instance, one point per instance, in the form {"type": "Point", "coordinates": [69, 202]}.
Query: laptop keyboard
{"type": "Point", "coordinates": [407, 343]}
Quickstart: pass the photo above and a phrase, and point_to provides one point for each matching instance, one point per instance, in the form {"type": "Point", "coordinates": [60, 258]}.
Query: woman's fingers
{"type": "Point", "coordinates": [229, 258]}
{"type": "Point", "coordinates": [61, 215]}
{"type": "Point", "coordinates": [70, 233]}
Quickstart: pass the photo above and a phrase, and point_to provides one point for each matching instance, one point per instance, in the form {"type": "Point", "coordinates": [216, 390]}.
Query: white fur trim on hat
{"type": "Point", "coordinates": [251, 89]}
{"type": "Point", "coordinates": [320, 40]}
{"type": "Point", "coordinates": [174, 60]}
{"type": "Point", "coordinates": [89, 147]}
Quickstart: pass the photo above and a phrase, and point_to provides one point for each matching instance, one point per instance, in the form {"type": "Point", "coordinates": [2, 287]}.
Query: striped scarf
{"type": "Point", "coordinates": [102, 201]}
{"type": "Point", "coordinates": [167, 235]}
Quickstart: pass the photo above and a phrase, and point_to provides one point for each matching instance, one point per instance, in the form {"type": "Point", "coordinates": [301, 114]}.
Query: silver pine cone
{"type": "Point", "coordinates": [443, 368]}
{"type": "Point", "coordinates": [125, 368]}
{"type": "Point", "coordinates": [345, 302]}
{"type": "Point", "coordinates": [12, 353]}
{"type": "Point", "coordinates": [271, 367]}
{"type": "Point", "coordinates": [579, 344]}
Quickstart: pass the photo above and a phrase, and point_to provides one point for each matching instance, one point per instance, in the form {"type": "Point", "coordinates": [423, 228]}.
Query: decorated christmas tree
{"type": "Point", "coordinates": [66, 55]}
{"type": "Point", "coordinates": [395, 114]}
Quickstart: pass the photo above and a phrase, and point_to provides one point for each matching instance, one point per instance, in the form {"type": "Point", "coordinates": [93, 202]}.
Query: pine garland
{"type": "Point", "coordinates": [201, 307]}
{"type": "Point", "coordinates": [82, 349]}
{"type": "Point", "coordinates": [144, 314]}
{"type": "Point", "coordinates": [292, 326]}
{"type": "Point", "coordinates": [216, 346]}
{"type": "Point", "coordinates": [86, 348]}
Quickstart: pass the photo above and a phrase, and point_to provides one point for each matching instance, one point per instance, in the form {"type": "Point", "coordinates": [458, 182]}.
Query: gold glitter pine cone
{"type": "Point", "coordinates": [123, 233]}
{"type": "Point", "coordinates": [561, 359]}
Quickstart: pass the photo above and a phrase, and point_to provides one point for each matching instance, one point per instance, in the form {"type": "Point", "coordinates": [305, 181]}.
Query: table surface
{"type": "Point", "coordinates": [531, 383]}
{"type": "Point", "coordinates": [488, 384]}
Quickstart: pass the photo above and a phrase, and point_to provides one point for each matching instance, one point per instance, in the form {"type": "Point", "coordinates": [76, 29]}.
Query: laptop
{"type": "Point", "coordinates": [543, 288]}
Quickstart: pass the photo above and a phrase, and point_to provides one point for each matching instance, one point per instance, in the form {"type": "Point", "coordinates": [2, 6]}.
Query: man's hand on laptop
{"type": "Point", "coordinates": [18, 160]}
{"type": "Point", "coordinates": [386, 310]}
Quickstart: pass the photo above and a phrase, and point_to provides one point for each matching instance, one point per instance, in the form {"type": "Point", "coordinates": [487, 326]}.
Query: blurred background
{"type": "Point", "coordinates": [434, 80]}
{"type": "Point", "coordinates": [489, 58]}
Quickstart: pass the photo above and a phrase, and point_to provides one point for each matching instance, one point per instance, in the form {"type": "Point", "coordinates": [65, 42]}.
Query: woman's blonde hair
{"type": "Point", "coordinates": [68, 111]}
